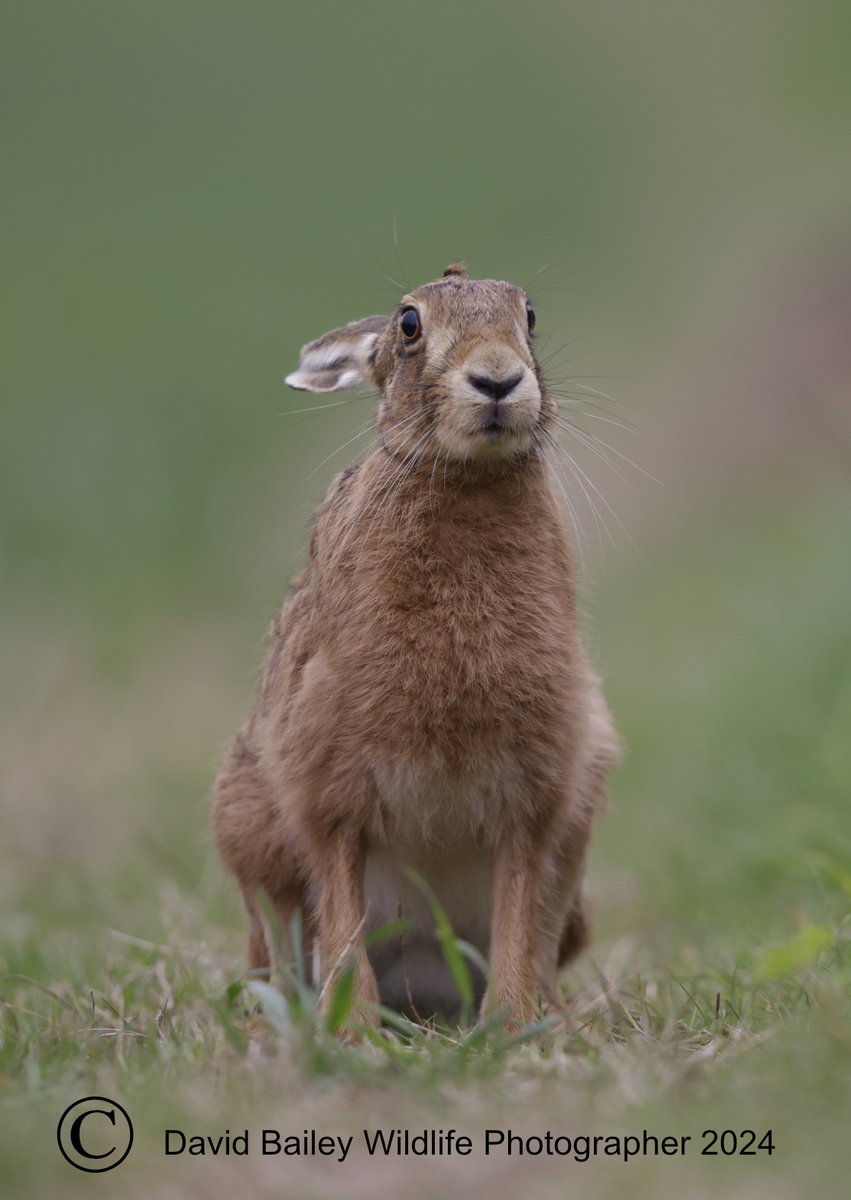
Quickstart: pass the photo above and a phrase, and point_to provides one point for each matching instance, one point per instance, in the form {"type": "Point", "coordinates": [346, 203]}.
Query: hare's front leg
{"type": "Point", "coordinates": [517, 901]}
{"type": "Point", "coordinates": [341, 921]}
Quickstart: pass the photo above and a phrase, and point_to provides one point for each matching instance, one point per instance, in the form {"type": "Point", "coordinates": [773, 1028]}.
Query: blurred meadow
{"type": "Point", "coordinates": [190, 192]}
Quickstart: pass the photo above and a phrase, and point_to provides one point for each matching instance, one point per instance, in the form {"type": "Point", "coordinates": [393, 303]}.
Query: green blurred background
{"type": "Point", "coordinates": [192, 190]}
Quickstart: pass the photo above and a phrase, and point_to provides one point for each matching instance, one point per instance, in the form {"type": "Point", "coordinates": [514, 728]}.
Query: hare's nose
{"type": "Point", "coordinates": [494, 389]}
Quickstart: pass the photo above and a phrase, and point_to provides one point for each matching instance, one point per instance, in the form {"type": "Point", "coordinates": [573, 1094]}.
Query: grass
{"type": "Point", "coordinates": [716, 997]}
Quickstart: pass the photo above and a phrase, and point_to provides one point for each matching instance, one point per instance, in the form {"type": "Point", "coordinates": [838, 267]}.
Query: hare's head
{"type": "Point", "coordinates": [454, 364]}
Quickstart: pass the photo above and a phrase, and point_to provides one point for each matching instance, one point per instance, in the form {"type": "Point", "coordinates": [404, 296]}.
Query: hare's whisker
{"type": "Point", "coordinates": [573, 400]}
{"type": "Point", "coordinates": [578, 531]}
{"type": "Point", "coordinates": [597, 492]}
{"type": "Point", "coordinates": [370, 424]}
{"type": "Point", "coordinates": [398, 259]}
{"type": "Point", "coordinates": [294, 412]}
{"type": "Point", "coordinates": [587, 441]}
{"type": "Point", "coordinates": [595, 416]}
{"type": "Point", "coordinates": [401, 286]}
{"type": "Point", "coordinates": [411, 463]}
{"type": "Point", "coordinates": [592, 391]}
{"type": "Point", "coordinates": [564, 346]}
{"type": "Point", "coordinates": [612, 450]}
{"type": "Point", "coordinates": [582, 478]}
{"type": "Point", "coordinates": [599, 523]}
{"type": "Point", "coordinates": [388, 472]}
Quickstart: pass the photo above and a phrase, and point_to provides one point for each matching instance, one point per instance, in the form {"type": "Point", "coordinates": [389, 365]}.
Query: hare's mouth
{"type": "Point", "coordinates": [497, 422]}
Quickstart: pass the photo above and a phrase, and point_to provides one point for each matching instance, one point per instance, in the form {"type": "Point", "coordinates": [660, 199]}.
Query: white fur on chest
{"type": "Point", "coordinates": [423, 809]}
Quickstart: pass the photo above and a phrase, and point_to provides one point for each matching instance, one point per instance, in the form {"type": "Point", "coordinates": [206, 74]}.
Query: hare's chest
{"type": "Point", "coordinates": [471, 631]}
{"type": "Point", "coordinates": [466, 678]}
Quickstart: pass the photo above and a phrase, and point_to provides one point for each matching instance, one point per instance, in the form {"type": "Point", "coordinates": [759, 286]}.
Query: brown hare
{"type": "Point", "coordinates": [426, 703]}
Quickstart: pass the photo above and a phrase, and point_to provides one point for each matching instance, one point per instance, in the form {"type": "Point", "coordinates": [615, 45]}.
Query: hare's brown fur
{"type": "Point", "coordinates": [426, 701]}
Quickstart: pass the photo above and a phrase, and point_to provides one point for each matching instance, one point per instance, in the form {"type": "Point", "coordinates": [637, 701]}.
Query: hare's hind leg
{"type": "Point", "coordinates": [577, 929]}
{"type": "Point", "coordinates": [254, 846]}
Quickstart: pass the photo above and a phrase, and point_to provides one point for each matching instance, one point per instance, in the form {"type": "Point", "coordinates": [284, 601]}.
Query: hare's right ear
{"type": "Point", "coordinates": [339, 359]}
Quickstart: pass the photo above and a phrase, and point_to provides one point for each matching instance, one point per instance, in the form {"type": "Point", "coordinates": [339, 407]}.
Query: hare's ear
{"type": "Point", "coordinates": [339, 359]}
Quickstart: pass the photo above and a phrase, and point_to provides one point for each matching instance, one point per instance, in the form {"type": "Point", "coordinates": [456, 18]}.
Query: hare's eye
{"type": "Point", "coordinates": [530, 317]}
{"type": "Point", "coordinates": [410, 322]}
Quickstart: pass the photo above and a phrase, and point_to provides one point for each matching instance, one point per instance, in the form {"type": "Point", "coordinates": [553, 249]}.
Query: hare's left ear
{"type": "Point", "coordinates": [339, 359]}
